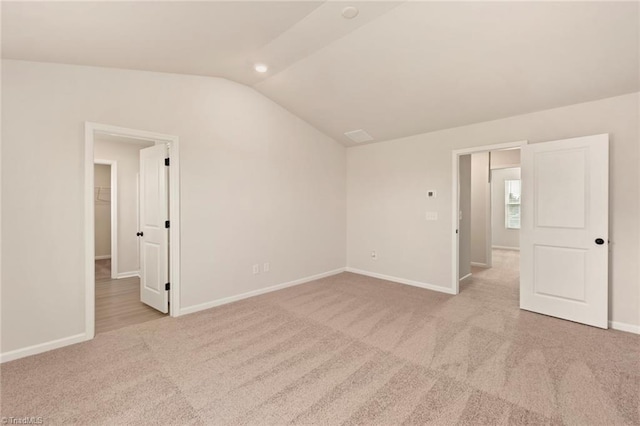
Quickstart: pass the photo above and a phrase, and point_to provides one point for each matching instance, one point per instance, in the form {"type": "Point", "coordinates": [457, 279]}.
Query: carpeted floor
{"type": "Point", "coordinates": [347, 349]}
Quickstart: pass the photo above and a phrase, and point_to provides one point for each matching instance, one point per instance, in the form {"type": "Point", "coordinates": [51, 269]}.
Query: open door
{"type": "Point", "coordinates": [154, 235]}
{"type": "Point", "coordinates": [565, 229]}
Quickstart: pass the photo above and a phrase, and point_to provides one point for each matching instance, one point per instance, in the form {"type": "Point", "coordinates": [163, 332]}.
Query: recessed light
{"type": "Point", "coordinates": [350, 12]}
{"type": "Point", "coordinates": [261, 68]}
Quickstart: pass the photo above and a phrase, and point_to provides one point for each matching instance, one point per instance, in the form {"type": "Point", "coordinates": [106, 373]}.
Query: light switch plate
{"type": "Point", "coordinates": [431, 216]}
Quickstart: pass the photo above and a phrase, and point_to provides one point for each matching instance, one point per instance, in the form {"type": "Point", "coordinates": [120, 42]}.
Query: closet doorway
{"type": "Point", "coordinates": [106, 218]}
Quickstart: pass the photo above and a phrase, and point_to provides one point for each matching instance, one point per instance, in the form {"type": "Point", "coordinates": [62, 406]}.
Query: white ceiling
{"type": "Point", "coordinates": [398, 68]}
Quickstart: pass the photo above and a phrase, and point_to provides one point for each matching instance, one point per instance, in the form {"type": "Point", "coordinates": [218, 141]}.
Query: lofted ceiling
{"type": "Point", "coordinates": [397, 69]}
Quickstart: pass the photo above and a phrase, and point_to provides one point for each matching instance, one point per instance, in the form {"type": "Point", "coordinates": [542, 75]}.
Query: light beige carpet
{"type": "Point", "coordinates": [347, 349]}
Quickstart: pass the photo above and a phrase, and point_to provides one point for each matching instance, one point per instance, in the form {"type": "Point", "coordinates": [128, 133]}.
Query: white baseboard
{"type": "Point", "coordinates": [621, 326]}
{"type": "Point", "coordinates": [479, 265]}
{"type": "Point", "coordinates": [225, 300]}
{"type": "Point", "coordinates": [129, 274]}
{"type": "Point", "coordinates": [466, 276]}
{"type": "Point", "coordinates": [42, 347]}
{"type": "Point", "coordinates": [105, 256]}
{"type": "Point", "coordinates": [401, 280]}
{"type": "Point", "coordinates": [505, 248]}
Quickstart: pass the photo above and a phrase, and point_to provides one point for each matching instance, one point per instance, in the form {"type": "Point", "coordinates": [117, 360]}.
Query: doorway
{"type": "Point", "coordinates": [106, 218]}
{"type": "Point", "coordinates": [475, 259]}
{"type": "Point", "coordinates": [489, 223]}
{"type": "Point", "coordinates": [564, 226]}
{"type": "Point", "coordinates": [117, 217]}
{"type": "Point", "coordinates": [133, 280]}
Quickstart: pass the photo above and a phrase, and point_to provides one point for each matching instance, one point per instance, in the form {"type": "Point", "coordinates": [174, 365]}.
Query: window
{"type": "Point", "coordinates": [512, 204]}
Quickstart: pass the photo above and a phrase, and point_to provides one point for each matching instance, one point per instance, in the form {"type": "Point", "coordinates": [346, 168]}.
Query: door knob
{"type": "Point", "coordinates": [599, 241]}
{"type": "Point", "coordinates": [139, 234]}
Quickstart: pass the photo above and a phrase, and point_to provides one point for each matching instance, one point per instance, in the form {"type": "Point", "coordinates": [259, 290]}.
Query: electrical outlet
{"type": "Point", "coordinates": [256, 269]}
{"type": "Point", "coordinates": [374, 255]}
{"type": "Point", "coordinates": [431, 193]}
{"type": "Point", "coordinates": [266, 267]}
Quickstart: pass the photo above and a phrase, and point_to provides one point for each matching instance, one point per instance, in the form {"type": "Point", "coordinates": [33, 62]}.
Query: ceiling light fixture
{"type": "Point", "coordinates": [350, 12]}
{"type": "Point", "coordinates": [261, 68]}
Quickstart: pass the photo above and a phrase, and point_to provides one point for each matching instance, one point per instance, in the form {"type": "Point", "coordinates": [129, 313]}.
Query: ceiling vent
{"type": "Point", "coordinates": [359, 136]}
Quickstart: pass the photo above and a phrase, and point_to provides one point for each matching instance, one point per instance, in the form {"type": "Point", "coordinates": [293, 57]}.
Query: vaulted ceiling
{"type": "Point", "coordinates": [396, 69]}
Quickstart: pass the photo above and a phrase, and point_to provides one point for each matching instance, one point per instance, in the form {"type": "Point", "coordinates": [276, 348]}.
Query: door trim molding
{"type": "Point", "coordinates": [114, 215]}
{"type": "Point", "coordinates": [455, 201]}
{"type": "Point", "coordinates": [173, 143]}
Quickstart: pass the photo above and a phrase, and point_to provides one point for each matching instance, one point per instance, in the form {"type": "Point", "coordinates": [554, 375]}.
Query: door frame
{"type": "Point", "coordinates": [173, 144]}
{"type": "Point", "coordinates": [455, 201]}
{"type": "Point", "coordinates": [114, 213]}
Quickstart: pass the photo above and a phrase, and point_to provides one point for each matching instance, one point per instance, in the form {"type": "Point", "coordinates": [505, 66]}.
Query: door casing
{"type": "Point", "coordinates": [174, 213]}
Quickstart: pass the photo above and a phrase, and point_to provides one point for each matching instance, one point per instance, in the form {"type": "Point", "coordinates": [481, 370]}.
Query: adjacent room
{"type": "Point", "coordinates": [489, 223]}
{"type": "Point", "coordinates": [117, 230]}
{"type": "Point", "coordinates": [320, 212]}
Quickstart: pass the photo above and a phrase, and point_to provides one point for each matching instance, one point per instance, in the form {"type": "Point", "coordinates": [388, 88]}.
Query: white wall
{"type": "Point", "coordinates": [386, 184]}
{"type": "Point", "coordinates": [504, 158]}
{"type": "Point", "coordinates": [464, 224]}
{"type": "Point", "coordinates": [480, 210]}
{"type": "Point", "coordinates": [501, 236]}
{"type": "Point", "coordinates": [102, 210]}
{"type": "Point", "coordinates": [128, 157]}
{"type": "Point", "coordinates": [258, 185]}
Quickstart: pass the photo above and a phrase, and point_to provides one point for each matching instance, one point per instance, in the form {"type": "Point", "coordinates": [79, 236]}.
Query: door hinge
{"type": "Point", "coordinates": [167, 161]}
{"type": "Point", "coordinates": [166, 223]}
{"type": "Point", "coordinates": [167, 286]}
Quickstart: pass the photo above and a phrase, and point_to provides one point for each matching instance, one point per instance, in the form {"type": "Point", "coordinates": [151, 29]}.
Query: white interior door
{"type": "Point", "coordinates": [154, 236]}
{"type": "Point", "coordinates": [564, 229]}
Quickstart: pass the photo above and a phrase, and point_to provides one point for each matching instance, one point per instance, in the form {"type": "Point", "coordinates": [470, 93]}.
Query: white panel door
{"type": "Point", "coordinates": [154, 237]}
{"type": "Point", "coordinates": [564, 229]}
